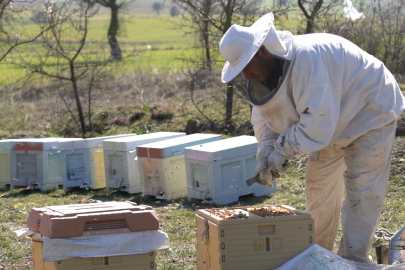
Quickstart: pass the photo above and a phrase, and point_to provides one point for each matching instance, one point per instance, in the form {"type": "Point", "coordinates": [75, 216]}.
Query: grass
{"type": "Point", "coordinates": [177, 217]}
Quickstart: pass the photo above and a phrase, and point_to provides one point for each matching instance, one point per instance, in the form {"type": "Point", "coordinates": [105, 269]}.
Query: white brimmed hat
{"type": "Point", "coordinates": [240, 44]}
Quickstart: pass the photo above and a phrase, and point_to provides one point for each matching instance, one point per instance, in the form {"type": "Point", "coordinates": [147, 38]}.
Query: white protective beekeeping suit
{"type": "Point", "coordinates": [340, 105]}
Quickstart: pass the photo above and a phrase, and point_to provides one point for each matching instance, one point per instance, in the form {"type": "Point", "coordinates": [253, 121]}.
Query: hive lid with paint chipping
{"type": "Point", "coordinates": [223, 149]}
{"type": "Point", "coordinates": [90, 142]}
{"type": "Point", "coordinates": [173, 147]}
{"type": "Point", "coordinates": [130, 143]}
{"type": "Point", "coordinates": [99, 218]}
{"type": "Point", "coordinates": [7, 144]}
{"type": "Point", "coordinates": [42, 144]}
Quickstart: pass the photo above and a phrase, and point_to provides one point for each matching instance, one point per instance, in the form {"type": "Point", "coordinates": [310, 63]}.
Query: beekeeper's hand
{"type": "Point", "coordinates": [277, 162]}
{"type": "Point", "coordinates": [266, 176]}
{"type": "Point", "coordinates": [261, 165]}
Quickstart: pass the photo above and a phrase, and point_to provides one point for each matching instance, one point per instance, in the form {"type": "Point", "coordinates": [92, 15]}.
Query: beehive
{"type": "Point", "coordinates": [35, 163]}
{"type": "Point", "coordinates": [217, 171]}
{"type": "Point", "coordinates": [83, 162]}
{"type": "Point", "coordinates": [78, 221]}
{"type": "Point", "coordinates": [121, 160]}
{"type": "Point", "coordinates": [5, 147]}
{"type": "Point", "coordinates": [74, 220]}
{"type": "Point", "coordinates": [162, 165]}
{"type": "Point", "coordinates": [144, 261]}
{"type": "Point", "coordinates": [238, 239]}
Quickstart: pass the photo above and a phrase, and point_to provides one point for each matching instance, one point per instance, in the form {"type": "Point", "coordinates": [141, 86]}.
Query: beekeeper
{"type": "Point", "coordinates": [321, 95]}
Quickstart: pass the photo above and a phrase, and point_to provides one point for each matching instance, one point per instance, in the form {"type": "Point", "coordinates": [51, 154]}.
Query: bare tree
{"type": "Point", "coordinates": [381, 32]}
{"type": "Point", "coordinates": [314, 10]}
{"type": "Point", "coordinates": [157, 7]}
{"type": "Point", "coordinates": [210, 19]}
{"type": "Point", "coordinates": [9, 14]}
{"type": "Point", "coordinates": [61, 56]}
{"type": "Point", "coordinates": [174, 11]}
{"type": "Point", "coordinates": [113, 30]}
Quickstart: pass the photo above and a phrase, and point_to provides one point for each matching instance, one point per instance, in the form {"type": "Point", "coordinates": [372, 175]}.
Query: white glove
{"type": "Point", "coordinates": [266, 176]}
{"type": "Point", "coordinates": [277, 162]}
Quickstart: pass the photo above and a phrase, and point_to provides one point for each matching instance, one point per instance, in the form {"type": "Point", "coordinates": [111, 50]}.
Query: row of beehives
{"type": "Point", "coordinates": [167, 165]}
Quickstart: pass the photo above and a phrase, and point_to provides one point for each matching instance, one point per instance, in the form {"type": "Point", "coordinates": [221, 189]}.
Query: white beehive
{"type": "Point", "coordinates": [83, 162]}
{"type": "Point", "coordinates": [162, 167]}
{"type": "Point", "coordinates": [5, 146]}
{"type": "Point", "coordinates": [217, 171]}
{"type": "Point", "coordinates": [35, 163]}
{"type": "Point", "coordinates": [121, 160]}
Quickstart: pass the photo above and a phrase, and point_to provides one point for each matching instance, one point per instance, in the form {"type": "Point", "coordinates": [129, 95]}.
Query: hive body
{"type": "Point", "coordinates": [217, 171]}
{"type": "Point", "coordinates": [162, 165]}
{"type": "Point", "coordinates": [126, 262]}
{"type": "Point", "coordinates": [83, 162]}
{"type": "Point", "coordinates": [256, 243]}
{"type": "Point", "coordinates": [121, 160]}
{"type": "Point", "coordinates": [35, 163]}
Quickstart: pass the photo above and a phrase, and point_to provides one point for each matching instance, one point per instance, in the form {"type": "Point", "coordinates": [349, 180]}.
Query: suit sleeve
{"type": "Point", "coordinates": [264, 135]}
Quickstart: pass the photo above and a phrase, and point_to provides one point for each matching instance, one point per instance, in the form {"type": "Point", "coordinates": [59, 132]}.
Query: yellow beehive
{"type": "Point", "coordinates": [144, 261]}
{"type": "Point", "coordinates": [236, 238]}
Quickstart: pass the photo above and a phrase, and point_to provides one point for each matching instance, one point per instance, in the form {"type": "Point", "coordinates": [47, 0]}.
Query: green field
{"type": "Point", "coordinates": [156, 41]}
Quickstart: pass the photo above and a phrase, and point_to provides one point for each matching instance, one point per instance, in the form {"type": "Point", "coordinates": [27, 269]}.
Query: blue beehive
{"type": "Point", "coordinates": [35, 163]}
{"type": "Point", "coordinates": [217, 171]}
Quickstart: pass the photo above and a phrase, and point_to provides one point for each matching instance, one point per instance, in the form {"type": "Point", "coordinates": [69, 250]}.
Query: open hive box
{"type": "Point", "coordinates": [251, 237]}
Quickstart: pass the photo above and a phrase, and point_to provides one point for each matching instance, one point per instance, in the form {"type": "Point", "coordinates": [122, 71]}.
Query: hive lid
{"type": "Point", "coordinates": [98, 141]}
{"type": "Point", "coordinates": [175, 146]}
{"type": "Point", "coordinates": [224, 149]}
{"type": "Point", "coordinates": [92, 219]}
{"type": "Point", "coordinates": [6, 145]}
{"type": "Point", "coordinates": [130, 143]}
{"type": "Point", "coordinates": [89, 142]}
{"type": "Point", "coordinates": [42, 144]}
